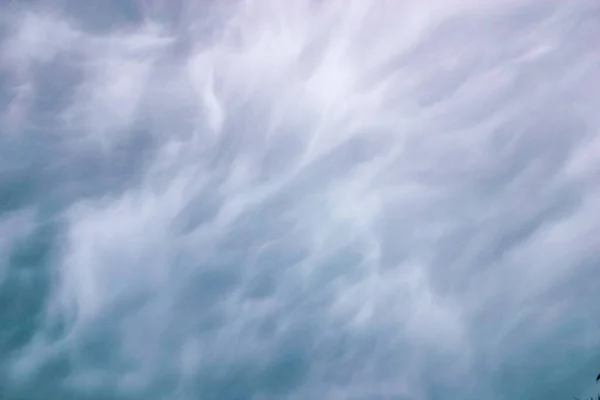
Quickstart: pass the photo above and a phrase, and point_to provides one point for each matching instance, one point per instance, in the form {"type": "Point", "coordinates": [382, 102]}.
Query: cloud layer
{"type": "Point", "coordinates": [304, 199]}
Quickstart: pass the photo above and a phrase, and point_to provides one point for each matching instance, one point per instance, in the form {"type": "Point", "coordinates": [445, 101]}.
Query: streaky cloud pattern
{"type": "Point", "coordinates": [304, 199]}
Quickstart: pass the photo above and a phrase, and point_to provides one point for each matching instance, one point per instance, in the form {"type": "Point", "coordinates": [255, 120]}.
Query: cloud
{"type": "Point", "coordinates": [326, 199]}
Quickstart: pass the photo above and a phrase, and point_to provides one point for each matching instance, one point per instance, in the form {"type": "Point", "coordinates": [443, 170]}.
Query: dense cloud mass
{"type": "Point", "coordinates": [304, 199]}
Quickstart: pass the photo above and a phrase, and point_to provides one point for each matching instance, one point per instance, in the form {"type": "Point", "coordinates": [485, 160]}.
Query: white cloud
{"type": "Point", "coordinates": [358, 192]}
{"type": "Point", "coordinates": [36, 38]}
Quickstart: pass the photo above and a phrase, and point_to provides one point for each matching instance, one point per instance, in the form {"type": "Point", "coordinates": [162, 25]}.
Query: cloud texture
{"type": "Point", "coordinates": [299, 199]}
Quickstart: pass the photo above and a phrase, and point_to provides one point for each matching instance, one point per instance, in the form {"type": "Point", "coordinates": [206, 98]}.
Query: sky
{"type": "Point", "coordinates": [301, 199]}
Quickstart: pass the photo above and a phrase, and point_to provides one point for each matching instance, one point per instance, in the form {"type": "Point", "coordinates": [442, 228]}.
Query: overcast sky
{"type": "Point", "coordinates": [303, 199]}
